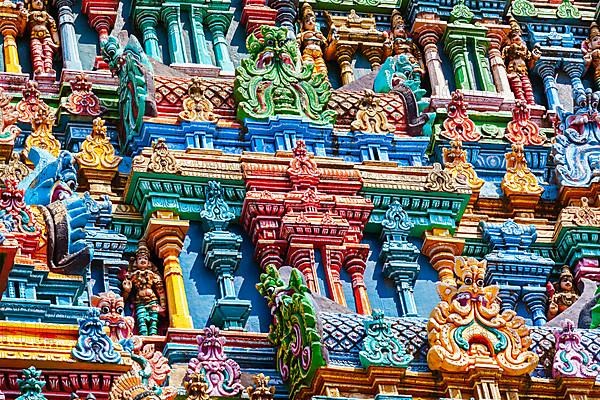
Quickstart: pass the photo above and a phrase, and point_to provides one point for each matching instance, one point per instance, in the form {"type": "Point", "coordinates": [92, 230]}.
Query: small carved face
{"type": "Point", "coordinates": [309, 22]}
{"type": "Point", "coordinates": [566, 283]}
{"type": "Point", "coordinates": [37, 5]}
{"type": "Point", "coordinates": [595, 42]}
{"type": "Point", "coordinates": [142, 261]}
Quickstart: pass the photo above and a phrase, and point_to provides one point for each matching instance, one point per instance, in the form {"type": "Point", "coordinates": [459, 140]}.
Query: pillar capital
{"type": "Point", "coordinates": [218, 22]}
{"type": "Point", "coordinates": [441, 248]}
{"type": "Point", "coordinates": [166, 231]}
{"type": "Point", "coordinates": [170, 13]}
{"type": "Point", "coordinates": [428, 31]}
{"type": "Point", "coordinates": [146, 17]}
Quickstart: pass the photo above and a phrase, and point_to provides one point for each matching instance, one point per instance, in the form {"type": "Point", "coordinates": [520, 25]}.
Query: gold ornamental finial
{"type": "Point", "coordinates": [96, 150]}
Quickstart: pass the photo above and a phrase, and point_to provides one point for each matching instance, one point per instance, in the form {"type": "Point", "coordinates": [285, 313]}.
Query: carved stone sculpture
{"type": "Point", "coordinates": [112, 307]}
{"type": "Point", "coordinates": [518, 60]}
{"type": "Point", "coordinates": [398, 42]}
{"type": "Point", "coordinates": [562, 294]}
{"type": "Point", "coordinates": [44, 41]}
{"type": "Point", "coordinates": [591, 53]}
{"type": "Point", "coordinates": [466, 329]}
{"type": "Point", "coordinates": [313, 43]}
{"type": "Point", "coordinates": [571, 358]}
{"type": "Point", "coordinates": [196, 107]}
{"type": "Point", "coordinates": [370, 117]}
{"type": "Point", "coordinates": [146, 285]}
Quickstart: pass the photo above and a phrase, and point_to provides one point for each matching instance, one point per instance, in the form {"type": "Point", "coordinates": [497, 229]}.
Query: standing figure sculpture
{"type": "Point", "coordinates": [518, 60]}
{"type": "Point", "coordinates": [149, 299]}
{"type": "Point", "coordinates": [591, 53]}
{"type": "Point", "coordinates": [312, 42]}
{"type": "Point", "coordinates": [562, 294]}
{"type": "Point", "coordinates": [44, 37]}
{"type": "Point", "coordinates": [398, 42]}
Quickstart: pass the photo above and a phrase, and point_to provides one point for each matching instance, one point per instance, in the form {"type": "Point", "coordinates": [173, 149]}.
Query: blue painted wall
{"type": "Point", "coordinates": [201, 284]}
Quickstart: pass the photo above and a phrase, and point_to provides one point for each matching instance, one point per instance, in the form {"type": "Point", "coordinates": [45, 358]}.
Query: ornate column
{"type": "Point", "coordinates": [222, 255]}
{"type": "Point", "coordinates": [546, 69]}
{"type": "Point", "coordinates": [355, 264]}
{"type": "Point", "coordinates": [497, 34]}
{"type": "Point", "coordinates": [287, 12]}
{"type": "Point", "coordinates": [66, 20]}
{"type": "Point", "coordinates": [101, 17]}
{"type": "Point", "coordinates": [456, 48]}
{"type": "Point", "coordinates": [146, 19]}
{"type": "Point", "coordinates": [165, 233]}
{"type": "Point", "coordinates": [218, 23]}
{"type": "Point", "coordinates": [12, 23]}
{"type": "Point", "coordinates": [536, 300]}
{"type": "Point", "coordinates": [202, 55]}
{"type": "Point", "coordinates": [483, 65]}
{"type": "Point", "coordinates": [441, 248]}
{"type": "Point", "coordinates": [574, 68]}
{"type": "Point", "coordinates": [428, 33]}
{"type": "Point", "coordinates": [334, 257]}
{"type": "Point", "coordinates": [343, 55]}
{"type": "Point", "coordinates": [400, 256]}
{"type": "Point", "coordinates": [170, 16]}
{"type": "Point", "coordinates": [302, 257]}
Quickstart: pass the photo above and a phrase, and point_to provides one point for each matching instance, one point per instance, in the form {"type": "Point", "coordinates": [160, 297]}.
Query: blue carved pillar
{"type": "Point", "coordinates": [222, 255]}
{"type": "Point", "coordinates": [400, 256]}
{"type": "Point", "coordinates": [574, 68]}
{"type": "Point", "coordinates": [546, 69]}
{"type": "Point", "coordinates": [66, 20]}
{"type": "Point", "coordinates": [518, 272]}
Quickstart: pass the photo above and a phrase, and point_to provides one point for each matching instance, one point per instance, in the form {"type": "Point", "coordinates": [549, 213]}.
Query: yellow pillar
{"type": "Point", "coordinates": [11, 56]}
{"type": "Point", "coordinates": [12, 23]}
{"type": "Point", "coordinates": [165, 234]}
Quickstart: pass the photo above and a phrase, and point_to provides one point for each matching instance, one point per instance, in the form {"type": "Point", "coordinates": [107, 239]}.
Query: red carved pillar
{"type": "Point", "coordinates": [270, 252]}
{"type": "Point", "coordinates": [333, 260]}
{"type": "Point", "coordinates": [255, 13]}
{"type": "Point", "coordinates": [302, 257]}
{"type": "Point", "coordinates": [102, 15]}
{"type": "Point", "coordinates": [355, 263]}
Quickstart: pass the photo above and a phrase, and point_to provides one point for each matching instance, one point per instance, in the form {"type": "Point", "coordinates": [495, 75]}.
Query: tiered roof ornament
{"type": "Point", "coordinates": [266, 82]}
{"type": "Point", "coordinates": [455, 163]}
{"type": "Point", "coordinates": [41, 135]}
{"type": "Point", "coordinates": [28, 106]}
{"type": "Point", "coordinates": [303, 171]}
{"type": "Point", "coordinates": [519, 184]}
{"type": "Point", "coordinates": [521, 129]}
{"type": "Point", "coordinates": [82, 101]}
{"type": "Point", "coordinates": [457, 124]}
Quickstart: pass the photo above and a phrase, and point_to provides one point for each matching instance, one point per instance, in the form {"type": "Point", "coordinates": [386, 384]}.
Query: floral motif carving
{"type": "Point", "coordinates": [130, 386]}
{"type": "Point", "coordinates": [261, 389]}
{"type": "Point", "coordinates": [381, 347]}
{"type": "Point", "coordinates": [196, 387]}
{"type": "Point", "coordinates": [31, 385]}
{"type": "Point", "coordinates": [96, 149]}
{"type": "Point", "coordinates": [466, 329]}
{"type": "Point", "coordinates": [518, 178]}
{"type": "Point", "coordinates": [216, 212]}
{"type": "Point", "coordinates": [439, 180]}
{"type": "Point", "coordinates": [162, 161]}
{"type": "Point", "coordinates": [41, 132]}
{"type": "Point", "coordinates": [294, 329]}
{"type": "Point", "coordinates": [222, 373]}
{"type": "Point", "coordinates": [17, 218]}
{"type": "Point", "coordinates": [196, 106]}
{"type": "Point", "coordinates": [82, 101]}
{"type": "Point", "coordinates": [571, 358]}
{"type": "Point", "coordinates": [30, 103]}
{"type": "Point", "coordinates": [521, 130]}
{"type": "Point", "coordinates": [93, 344]}
{"type": "Point", "coordinates": [274, 81]}
{"type": "Point", "coordinates": [111, 307]}
{"type": "Point", "coordinates": [15, 169]}
{"type": "Point", "coordinates": [370, 117]}
{"type": "Point", "coordinates": [456, 165]}
{"type": "Point", "coordinates": [458, 125]}
{"type": "Point", "coordinates": [581, 216]}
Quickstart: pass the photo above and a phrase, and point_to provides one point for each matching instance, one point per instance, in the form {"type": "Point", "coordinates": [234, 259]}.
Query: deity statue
{"type": "Point", "coordinates": [518, 60]}
{"type": "Point", "coordinates": [562, 294]}
{"type": "Point", "coordinates": [44, 37]}
{"type": "Point", "coordinates": [312, 42]}
{"type": "Point", "coordinates": [591, 53]}
{"type": "Point", "coordinates": [149, 299]}
{"type": "Point", "coordinates": [397, 42]}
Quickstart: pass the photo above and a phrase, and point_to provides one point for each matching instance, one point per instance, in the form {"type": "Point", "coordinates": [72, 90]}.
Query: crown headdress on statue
{"type": "Point", "coordinates": [515, 29]}
{"type": "Point", "coordinates": [306, 11]}
{"type": "Point", "coordinates": [594, 30]}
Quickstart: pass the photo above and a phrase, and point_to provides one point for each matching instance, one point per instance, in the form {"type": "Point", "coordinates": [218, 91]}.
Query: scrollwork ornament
{"type": "Point", "coordinates": [261, 389]}
{"type": "Point", "coordinates": [571, 358]}
{"type": "Point", "coordinates": [518, 178]}
{"type": "Point", "coordinates": [96, 149]}
{"type": "Point", "coordinates": [31, 385]}
{"type": "Point", "coordinates": [521, 130]}
{"type": "Point", "coordinates": [30, 103]}
{"type": "Point", "coordinates": [370, 117]}
{"type": "Point", "coordinates": [381, 347]}
{"type": "Point", "coordinates": [93, 344]}
{"type": "Point", "coordinates": [456, 165]}
{"type": "Point", "coordinates": [457, 124]}
{"type": "Point", "coordinates": [523, 8]}
{"type": "Point", "coordinates": [41, 132]}
{"type": "Point", "coordinates": [439, 180]}
{"type": "Point", "coordinates": [82, 101]}
{"type": "Point", "coordinates": [162, 160]}
{"type": "Point", "coordinates": [196, 107]}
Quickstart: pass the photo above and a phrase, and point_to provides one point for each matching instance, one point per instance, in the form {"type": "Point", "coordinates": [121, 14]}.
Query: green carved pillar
{"type": "Point", "coordinates": [201, 49]}
{"type": "Point", "coordinates": [456, 48]}
{"type": "Point", "coordinates": [146, 19]}
{"type": "Point", "coordinates": [483, 69]}
{"type": "Point", "coordinates": [218, 23]}
{"type": "Point", "coordinates": [170, 16]}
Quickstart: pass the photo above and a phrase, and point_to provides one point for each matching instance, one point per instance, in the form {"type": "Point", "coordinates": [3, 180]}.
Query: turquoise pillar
{"type": "Point", "coordinates": [146, 20]}
{"type": "Point", "coordinates": [170, 16]}
{"type": "Point", "coordinates": [218, 23]}
{"type": "Point", "coordinates": [200, 46]}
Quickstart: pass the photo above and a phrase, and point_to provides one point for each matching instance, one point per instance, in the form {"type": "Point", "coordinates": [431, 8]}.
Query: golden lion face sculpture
{"type": "Point", "coordinates": [467, 328]}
